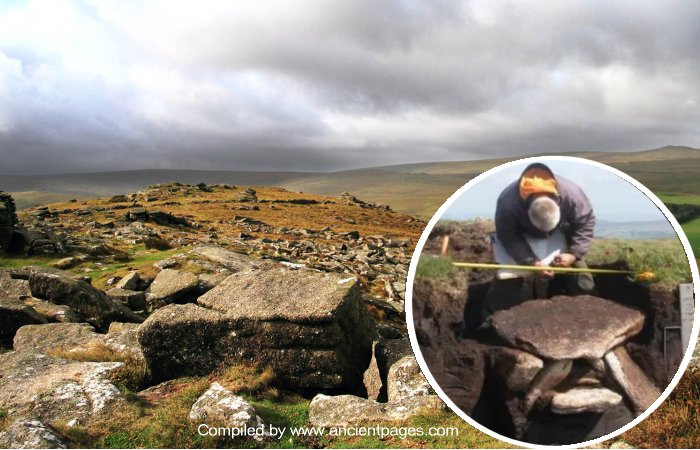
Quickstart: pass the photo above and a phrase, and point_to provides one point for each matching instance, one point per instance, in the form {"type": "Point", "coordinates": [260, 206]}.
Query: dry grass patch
{"type": "Point", "coordinates": [676, 424]}
{"type": "Point", "coordinates": [133, 373]}
{"type": "Point", "coordinates": [243, 378]}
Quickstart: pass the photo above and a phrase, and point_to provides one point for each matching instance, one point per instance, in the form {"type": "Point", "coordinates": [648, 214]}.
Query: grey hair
{"type": "Point", "coordinates": [544, 213]}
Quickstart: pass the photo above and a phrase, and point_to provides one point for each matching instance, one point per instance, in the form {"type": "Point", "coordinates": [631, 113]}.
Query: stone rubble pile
{"type": "Point", "coordinates": [566, 357]}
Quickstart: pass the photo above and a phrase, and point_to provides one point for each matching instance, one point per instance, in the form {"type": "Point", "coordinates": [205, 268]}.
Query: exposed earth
{"type": "Point", "coordinates": [555, 369]}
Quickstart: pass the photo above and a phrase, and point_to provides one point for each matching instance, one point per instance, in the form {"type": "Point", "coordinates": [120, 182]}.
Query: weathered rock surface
{"type": "Point", "coordinates": [135, 300]}
{"type": "Point", "coordinates": [52, 312]}
{"type": "Point", "coordinates": [235, 262]}
{"type": "Point", "coordinates": [517, 369]}
{"type": "Point", "coordinates": [31, 434]}
{"type": "Point", "coordinates": [171, 286]}
{"type": "Point", "coordinates": [409, 395]}
{"type": "Point", "coordinates": [15, 314]}
{"type": "Point", "coordinates": [309, 327]}
{"type": "Point", "coordinates": [405, 380]}
{"type": "Point", "coordinates": [11, 288]}
{"type": "Point", "coordinates": [89, 303]}
{"type": "Point", "coordinates": [344, 410]}
{"type": "Point", "coordinates": [372, 378]}
{"type": "Point", "coordinates": [349, 410]}
{"type": "Point", "coordinates": [220, 406]}
{"type": "Point", "coordinates": [54, 336]}
{"type": "Point", "coordinates": [567, 327]}
{"type": "Point", "coordinates": [551, 375]}
{"type": "Point", "coordinates": [49, 388]}
{"type": "Point", "coordinates": [636, 385]}
{"type": "Point", "coordinates": [8, 220]}
{"type": "Point", "coordinates": [584, 400]}
{"type": "Point", "coordinates": [67, 338]}
{"type": "Point", "coordinates": [130, 282]}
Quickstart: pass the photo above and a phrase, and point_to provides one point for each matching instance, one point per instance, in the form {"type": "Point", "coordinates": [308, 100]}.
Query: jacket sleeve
{"type": "Point", "coordinates": [511, 236]}
{"type": "Point", "coordinates": [582, 224]}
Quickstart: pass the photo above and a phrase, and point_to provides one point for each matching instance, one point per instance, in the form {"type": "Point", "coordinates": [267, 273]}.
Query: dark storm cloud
{"type": "Point", "coordinates": [317, 85]}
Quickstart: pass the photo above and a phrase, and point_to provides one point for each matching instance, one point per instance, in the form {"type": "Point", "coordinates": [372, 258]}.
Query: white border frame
{"type": "Point", "coordinates": [424, 237]}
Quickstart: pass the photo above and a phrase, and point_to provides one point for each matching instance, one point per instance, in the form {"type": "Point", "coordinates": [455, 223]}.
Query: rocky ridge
{"type": "Point", "coordinates": [312, 306]}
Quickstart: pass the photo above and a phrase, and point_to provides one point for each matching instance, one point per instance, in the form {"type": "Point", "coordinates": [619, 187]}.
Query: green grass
{"type": "Point", "coordinates": [18, 262]}
{"type": "Point", "coordinates": [138, 257]}
{"type": "Point", "coordinates": [434, 267]}
{"type": "Point", "coordinates": [664, 257]}
{"type": "Point", "coordinates": [688, 199]}
{"type": "Point", "coordinates": [692, 232]}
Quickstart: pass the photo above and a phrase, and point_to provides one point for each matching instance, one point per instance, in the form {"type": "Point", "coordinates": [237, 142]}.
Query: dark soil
{"type": "Point", "coordinates": [469, 242]}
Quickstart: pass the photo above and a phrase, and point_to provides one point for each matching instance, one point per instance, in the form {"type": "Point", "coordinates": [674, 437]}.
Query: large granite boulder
{"type": "Point", "coordinates": [584, 400]}
{"type": "Point", "coordinates": [26, 433]}
{"type": "Point", "coordinates": [130, 282]}
{"type": "Point", "coordinates": [52, 337]}
{"type": "Point", "coordinates": [170, 286]}
{"type": "Point", "coordinates": [90, 304]}
{"type": "Point", "coordinates": [8, 220]}
{"type": "Point", "coordinates": [120, 342]}
{"type": "Point", "coordinates": [235, 262]}
{"type": "Point", "coordinates": [220, 406]}
{"type": "Point", "coordinates": [15, 314]}
{"type": "Point", "coordinates": [350, 410]}
{"type": "Point", "coordinates": [52, 312]}
{"type": "Point", "coordinates": [631, 379]}
{"type": "Point", "coordinates": [134, 300]}
{"type": "Point", "coordinates": [311, 328]}
{"type": "Point", "coordinates": [18, 307]}
{"type": "Point", "coordinates": [567, 327]}
{"type": "Point", "coordinates": [50, 389]}
{"type": "Point", "coordinates": [409, 395]}
{"type": "Point", "coordinates": [406, 380]}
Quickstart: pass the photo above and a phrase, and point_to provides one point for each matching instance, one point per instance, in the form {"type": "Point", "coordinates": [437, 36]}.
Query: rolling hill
{"type": "Point", "coordinates": [417, 189]}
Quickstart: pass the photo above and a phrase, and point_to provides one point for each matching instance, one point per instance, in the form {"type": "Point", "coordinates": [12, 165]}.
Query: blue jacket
{"type": "Point", "coordinates": [513, 224]}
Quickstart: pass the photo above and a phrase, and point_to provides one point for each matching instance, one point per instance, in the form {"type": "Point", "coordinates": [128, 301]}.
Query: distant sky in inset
{"type": "Point", "coordinates": [613, 198]}
{"type": "Point", "coordinates": [317, 85]}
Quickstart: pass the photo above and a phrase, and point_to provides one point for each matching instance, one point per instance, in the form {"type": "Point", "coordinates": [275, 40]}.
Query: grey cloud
{"type": "Point", "coordinates": [331, 85]}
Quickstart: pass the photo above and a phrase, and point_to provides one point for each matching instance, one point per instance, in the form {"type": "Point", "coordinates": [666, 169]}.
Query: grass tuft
{"type": "Point", "coordinates": [435, 267]}
{"type": "Point", "coordinates": [676, 424]}
{"type": "Point", "coordinates": [663, 257]}
{"type": "Point", "coordinates": [132, 374]}
{"type": "Point", "coordinates": [243, 378]}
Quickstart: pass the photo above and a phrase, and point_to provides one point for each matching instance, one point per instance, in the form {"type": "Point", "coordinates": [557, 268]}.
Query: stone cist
{"type": "Point", "coordinates": [542, 219]}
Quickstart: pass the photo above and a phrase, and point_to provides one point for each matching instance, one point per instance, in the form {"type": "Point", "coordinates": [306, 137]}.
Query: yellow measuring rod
{"type": "Point", "coordinates": [642, 275]}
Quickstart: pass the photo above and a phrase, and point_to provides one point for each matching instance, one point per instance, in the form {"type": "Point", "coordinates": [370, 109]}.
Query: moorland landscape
{"type": "Point", "coordinates": [322, 275]}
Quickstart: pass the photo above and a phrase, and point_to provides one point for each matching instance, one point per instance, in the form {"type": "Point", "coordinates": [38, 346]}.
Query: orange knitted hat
{"type": "Point", "coordinates": [537, 181]}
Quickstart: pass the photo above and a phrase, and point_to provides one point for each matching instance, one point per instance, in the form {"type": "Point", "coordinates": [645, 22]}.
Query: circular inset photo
{"type": "Point", "coordinates": [550, 302]}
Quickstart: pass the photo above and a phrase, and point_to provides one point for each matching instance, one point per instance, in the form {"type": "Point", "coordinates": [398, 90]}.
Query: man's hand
{"type": "Point", "coordinates": [543, 273]}
{"type": "Point", "coordinates": [564, 260]}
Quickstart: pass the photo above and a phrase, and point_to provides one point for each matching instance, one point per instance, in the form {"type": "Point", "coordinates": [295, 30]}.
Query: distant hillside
{"type": "Point", "coordinates": [417, 189]}
{"type": "Point", "coordinates": [634, 230]}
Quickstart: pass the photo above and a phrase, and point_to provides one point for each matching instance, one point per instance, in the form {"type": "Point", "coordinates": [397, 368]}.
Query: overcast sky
{"type": "Point", "coordinates": [326, 85]}
{"type": "Point", "coordinates": [627, 205]}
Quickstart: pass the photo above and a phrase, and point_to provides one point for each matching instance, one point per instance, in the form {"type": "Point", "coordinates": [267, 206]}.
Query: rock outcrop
{"type": "Point", "coordinates": [557, 371]}
{"type": "Point", "coordinates": [31, 434]}
{"type": "Point", "coordinates": [15, 314]}
{"type": "Point", "coordinates": [90, 304]}
{"type": "Point", "coordinates": [48, 388]}
{"type": "Point", "coordinates": [170, 286]}
{"type": "Point", "coordinates": [221, 407]}
{"type": "Point", "coordinates": [8, 220]}
{"type": "Point", "coordinates": [568, 327]}
{"type": "Point", "coordinates": [409, 395]}
{"type": "Point", "coordinates": [310, 328]}
{"type": "Point", "coordinates": [232, 261]}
